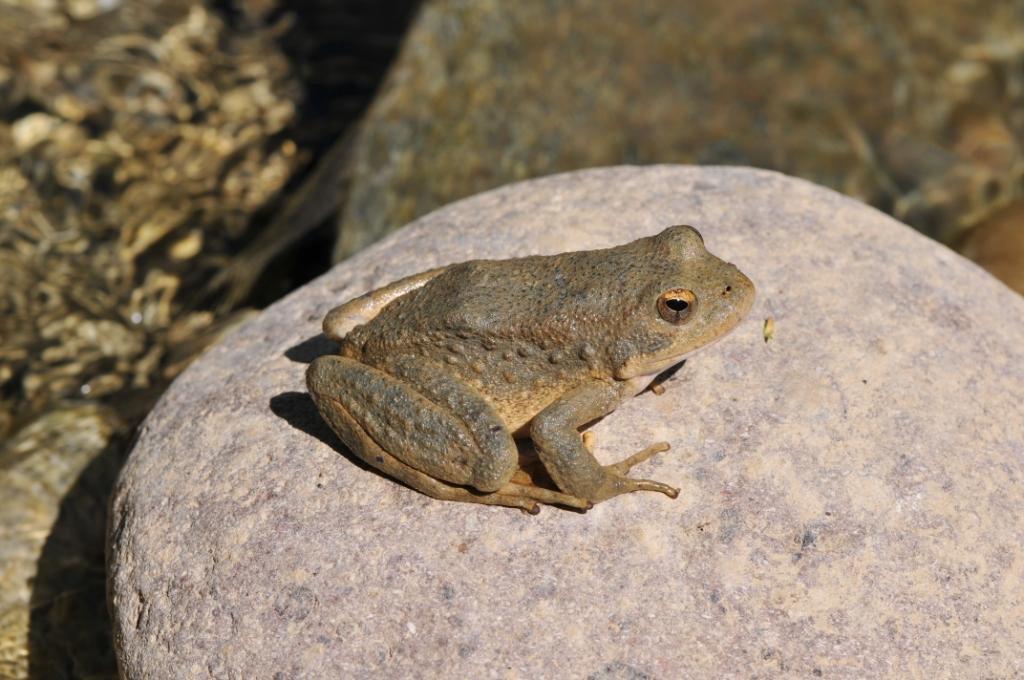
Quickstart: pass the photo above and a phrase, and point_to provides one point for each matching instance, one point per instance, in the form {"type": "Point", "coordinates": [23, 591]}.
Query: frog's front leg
{"type": "Point", "coordinates": [425, 429]}
{"type": "Point", "coordinates": [568, 460]}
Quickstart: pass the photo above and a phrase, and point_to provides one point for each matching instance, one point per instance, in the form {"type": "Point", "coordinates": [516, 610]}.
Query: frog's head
{"type": "Point", "coordinates": [688, 299]}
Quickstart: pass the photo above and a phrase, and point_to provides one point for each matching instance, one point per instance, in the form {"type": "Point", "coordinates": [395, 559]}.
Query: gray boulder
{"type": "Point", "coordinates": [851, 488]}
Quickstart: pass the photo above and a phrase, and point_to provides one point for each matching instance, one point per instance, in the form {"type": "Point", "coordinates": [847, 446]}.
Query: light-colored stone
{"type": "Point", "coordinates": [851, 490]}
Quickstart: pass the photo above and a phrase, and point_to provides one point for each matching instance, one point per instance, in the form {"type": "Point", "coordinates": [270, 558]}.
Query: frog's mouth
{"type": "Point", "coordinates": [638, 369]}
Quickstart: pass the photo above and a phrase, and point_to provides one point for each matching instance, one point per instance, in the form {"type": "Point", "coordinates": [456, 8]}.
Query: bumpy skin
{"type": "Point", "coordinates": [438, 371]}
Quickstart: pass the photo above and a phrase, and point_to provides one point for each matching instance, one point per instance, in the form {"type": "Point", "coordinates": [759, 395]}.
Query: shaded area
{"type": "Point", "coordinates": [299, 411]}
{"type": "Point", "coordinates": [39, 466]}
{"type": "Point", "coordinates": [311, 348]}
{"type": "Point", "coordinates": [70, 631]}
{"type": "Point", "coordinates": [658, 384]}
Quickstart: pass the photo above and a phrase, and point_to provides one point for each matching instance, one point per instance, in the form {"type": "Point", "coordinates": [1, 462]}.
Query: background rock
{"type": "Point", "coordinates": [914, 106]}
{"type": "Point", "coordinates": [52, 566]}
{"type": "Point", "coordinates": [849, 488]}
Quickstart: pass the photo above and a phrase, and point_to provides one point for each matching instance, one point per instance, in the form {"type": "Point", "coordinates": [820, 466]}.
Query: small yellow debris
{"type": "Point", "coordinates": [769, 329]}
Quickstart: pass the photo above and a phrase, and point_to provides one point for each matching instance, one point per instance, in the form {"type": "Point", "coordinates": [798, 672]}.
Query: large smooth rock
{"type": "Point", "coordinates": [851, 489]}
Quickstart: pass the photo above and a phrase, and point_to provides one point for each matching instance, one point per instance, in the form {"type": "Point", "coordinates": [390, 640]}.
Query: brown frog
{"type": "Point", "coordinates": [439, 371]}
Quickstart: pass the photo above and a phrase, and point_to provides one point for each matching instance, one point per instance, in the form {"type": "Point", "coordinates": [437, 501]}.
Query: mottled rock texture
{"type": "Point", "coordinates": [913, 106]}
{"type": "Point", "coordinates": [851, 489]}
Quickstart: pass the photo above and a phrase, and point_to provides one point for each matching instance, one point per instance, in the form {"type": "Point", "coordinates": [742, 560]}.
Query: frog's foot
{"type": "Point", "coordinates": [567, 456]}
{"type": "Point", "coordinates": [618, 483]}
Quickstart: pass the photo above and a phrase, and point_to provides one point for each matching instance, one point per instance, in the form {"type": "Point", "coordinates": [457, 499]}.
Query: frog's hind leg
{"type": "Point", "coordinates": [510, 495]}
{"type": "Point", "coordinates": [369, 451]}
{"type": "Point", "coordinates": [412, 433]}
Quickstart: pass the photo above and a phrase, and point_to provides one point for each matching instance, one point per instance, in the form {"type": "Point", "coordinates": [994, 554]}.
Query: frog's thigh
{"type": "Point", "coordinates": [445, 431]}
{"type": "Point", "coordinates": [368, 451]}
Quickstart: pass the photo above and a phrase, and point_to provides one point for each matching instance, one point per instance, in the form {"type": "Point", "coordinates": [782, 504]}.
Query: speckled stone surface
{"type": "Point", "coordinates": [852, 490]}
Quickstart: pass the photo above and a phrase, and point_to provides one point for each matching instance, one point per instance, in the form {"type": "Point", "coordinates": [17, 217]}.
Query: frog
{"type": "Point", "coordinates": [439, 373]}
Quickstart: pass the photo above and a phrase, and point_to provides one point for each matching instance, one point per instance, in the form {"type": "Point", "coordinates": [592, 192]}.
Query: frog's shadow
{"type": "Point", "coordinates": [311, 348]}
{"type": "Point", "coordinates": [299, 411]}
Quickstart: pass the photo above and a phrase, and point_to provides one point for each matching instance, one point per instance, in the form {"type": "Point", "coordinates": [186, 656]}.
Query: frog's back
{"type": "Point", "coordinates": [520, 332]}
{"type": "Point", "coordinates": [543, 300]}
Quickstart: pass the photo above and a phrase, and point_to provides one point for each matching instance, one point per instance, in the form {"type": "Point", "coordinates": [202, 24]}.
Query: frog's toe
{"type": "Point", "coordinates": [651, 485]}
{"type": "Point", "coordinates": [628, 485]}
{"type": "Point", "coordinates": [624, 466]}
{"type": "Point", "coordinates": [547, 496]}
{"type": "Point", "coordinates": [527, 505]}
{"type": "Point", "coordinates": [616, 485]}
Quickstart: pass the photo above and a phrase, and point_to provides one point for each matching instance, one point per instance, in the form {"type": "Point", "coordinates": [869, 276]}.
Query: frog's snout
{"type": "Point", "coordinates": [739, 291]}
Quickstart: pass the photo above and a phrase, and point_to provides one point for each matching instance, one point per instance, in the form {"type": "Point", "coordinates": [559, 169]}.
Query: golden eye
{"type": "Point", "coordinates": [676, 305]}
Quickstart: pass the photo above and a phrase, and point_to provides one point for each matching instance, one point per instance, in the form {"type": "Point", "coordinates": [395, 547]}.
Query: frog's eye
{"type": "Point", "coordinates": [676, 305]}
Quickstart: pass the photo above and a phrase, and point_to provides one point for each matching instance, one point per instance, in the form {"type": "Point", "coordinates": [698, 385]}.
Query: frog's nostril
{"type": "Point", "coordinates": [728, 289]}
